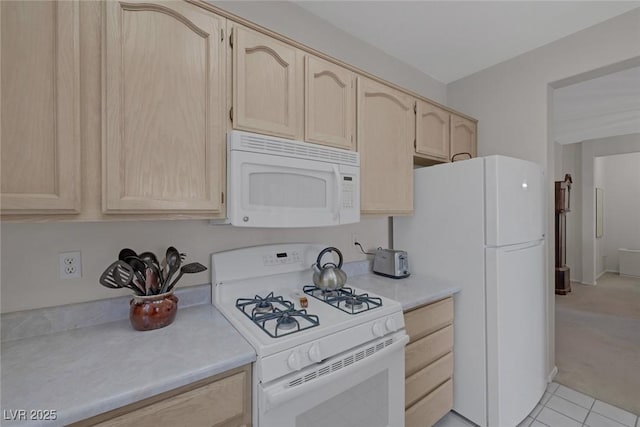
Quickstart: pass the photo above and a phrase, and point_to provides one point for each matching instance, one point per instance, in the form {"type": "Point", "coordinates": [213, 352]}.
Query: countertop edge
{"type": "Point", "coordinates": [134, 396]}
{"type": "Point", "coordinates": [445, 293]}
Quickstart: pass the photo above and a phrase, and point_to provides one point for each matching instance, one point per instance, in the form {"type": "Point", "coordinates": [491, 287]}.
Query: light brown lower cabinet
{"type": "Point", "coordinates": [429, 363]}
{"type": "Point", "coordinates": [220, 401]}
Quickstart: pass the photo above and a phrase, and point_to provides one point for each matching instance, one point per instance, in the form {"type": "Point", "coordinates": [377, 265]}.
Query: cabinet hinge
{"type": "Point", "coordinates": [222, 197]}
{"type": "Point", "coordinates": [231, 113]}
{"type": "Point", "coordinates": [222, 34]}
{"type": "Point", "coordinates": [231, 38]}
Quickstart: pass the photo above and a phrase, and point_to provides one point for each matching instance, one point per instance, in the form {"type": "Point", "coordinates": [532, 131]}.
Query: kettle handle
{"type": "Point", "coordinates": [327, 250]}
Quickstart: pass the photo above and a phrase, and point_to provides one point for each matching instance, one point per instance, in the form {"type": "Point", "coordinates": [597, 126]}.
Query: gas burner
{"type": "Point", "coordinates": [263, 307]}
{"type": "Point", "coordinates": [259, 305]}
{"type": "Point", "coordinates": [344, 299]}
{"type": "Point", "coordinates": [353, 302]}
{"type": "Point", "coordinates": [275, 315]}
{"type": "Point", "coordinates": [329, 293]}
{"type": "Point", "coordinates": [286, 322]}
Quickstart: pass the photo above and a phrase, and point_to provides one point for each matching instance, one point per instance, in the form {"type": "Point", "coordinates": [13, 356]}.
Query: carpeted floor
{"type": "Point", "coordinates": [598, 340]}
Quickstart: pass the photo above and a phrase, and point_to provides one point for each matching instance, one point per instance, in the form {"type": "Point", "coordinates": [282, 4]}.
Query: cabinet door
{"type": "Point", "coordinates": [163, 100]}
{"type": "Point", "coordinates": [40, 128]}
{"type": "Point", "coordinates": [330, 109]}
{"type": "Point", "coordinates": [432, 131]}
{"type": "Point", "coordinates": [267, 85]}
{"type": "Point", "coordinates": [385, 142]}
{"type": "Point", "coordinates": [463, 138]}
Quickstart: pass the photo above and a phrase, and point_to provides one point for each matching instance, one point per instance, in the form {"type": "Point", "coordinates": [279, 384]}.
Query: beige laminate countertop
{"type": "Point", "coordinates": [87, 371]}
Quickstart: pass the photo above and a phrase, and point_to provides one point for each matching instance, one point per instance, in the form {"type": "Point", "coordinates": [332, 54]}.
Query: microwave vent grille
{"type": "Point", "coordinates": [300, 150]}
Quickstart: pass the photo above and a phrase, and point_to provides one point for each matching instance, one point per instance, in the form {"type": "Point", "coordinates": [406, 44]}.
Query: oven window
{"type": "Point", "coordinates": [287, 190]}
{"type": "Point", "coordinates": [364, 405]}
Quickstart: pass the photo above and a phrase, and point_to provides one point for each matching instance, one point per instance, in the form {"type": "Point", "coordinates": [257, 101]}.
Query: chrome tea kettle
{"type": "Point", "coordinates": [329, 277]}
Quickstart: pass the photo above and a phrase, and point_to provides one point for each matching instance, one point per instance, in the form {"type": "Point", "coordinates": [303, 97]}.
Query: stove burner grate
{"type": "Point", "coordinates": [277, 314]}
{"type": "Point", "coordinates": [345, 299]}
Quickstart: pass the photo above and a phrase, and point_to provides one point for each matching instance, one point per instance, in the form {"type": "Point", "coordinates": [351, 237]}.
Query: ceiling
{"type": "Point", "coordinates": [448, 40]}
{"type": "Point", "coordinates": [598, 108]}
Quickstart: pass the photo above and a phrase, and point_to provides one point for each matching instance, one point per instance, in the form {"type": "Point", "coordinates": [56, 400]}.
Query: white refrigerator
{"type": "Point", "coordinates": [480, 224]}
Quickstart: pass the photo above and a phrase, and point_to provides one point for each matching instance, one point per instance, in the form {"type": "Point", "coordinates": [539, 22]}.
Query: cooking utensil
{"type": "Point", "coordinates": [194, 267]}
{"type": "Point", "coordinates": [329, 276]}
{"type": "Point", "coordinates": [173, 262]}
{"type": "Point", "coordinates": [139, 269]}
{"type": "Point", "coordinates": [149, 258]}
{"type": "Point", "coordinates": [119, 275]}
{"type": "Point", "coordinates": [151, 281]}
{"type": "Point", "coordinates": [125, 253]}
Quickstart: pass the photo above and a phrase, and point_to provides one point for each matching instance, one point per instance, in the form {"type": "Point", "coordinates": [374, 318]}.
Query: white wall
{"type": "Point", "coordinates": [621, 183]}
{"type": "Point", "coordinates": [591, 150]}
{"type": "Point", "coordinates": [512, 101]}
{"type": "Point", "coordinates": [29, 252]}
{"type": "Point", "coordinates": [298, 24]}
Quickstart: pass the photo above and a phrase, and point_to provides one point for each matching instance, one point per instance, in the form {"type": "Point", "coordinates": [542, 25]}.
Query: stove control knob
{"type": "Point", "coordinates": [314, 353]}
{"type": "Point", "coordinates": [391, 325]}
{"type": "Point", "coordinates": [378, 329]}
{"type": "Point", "coordinates": [294, 361]}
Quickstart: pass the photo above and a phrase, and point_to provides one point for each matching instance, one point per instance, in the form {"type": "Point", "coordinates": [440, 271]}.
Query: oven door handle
{"type": "Point", "coordinates": [279, 395]}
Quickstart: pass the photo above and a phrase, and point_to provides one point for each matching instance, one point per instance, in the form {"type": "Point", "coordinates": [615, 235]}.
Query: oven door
{"type": "Point", "coordinates": [363, 387]}
{"type": "Point", "coordinates": [278, 191]}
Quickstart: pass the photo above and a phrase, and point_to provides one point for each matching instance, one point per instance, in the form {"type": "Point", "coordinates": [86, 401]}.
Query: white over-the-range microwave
{"type": "Point", "coordinates": [279, 183]}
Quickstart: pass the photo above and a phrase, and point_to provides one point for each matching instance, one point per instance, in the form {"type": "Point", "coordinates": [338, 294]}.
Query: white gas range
{"type": "Point", "coordinates": [338, 361]}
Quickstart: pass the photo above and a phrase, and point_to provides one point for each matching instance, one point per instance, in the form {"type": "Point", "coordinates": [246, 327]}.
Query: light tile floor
{"type": "Point", "coordinates": [561, 406]}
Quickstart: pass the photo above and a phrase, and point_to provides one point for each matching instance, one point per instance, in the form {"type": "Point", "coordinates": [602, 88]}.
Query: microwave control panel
{"type": "Point", "coordinates": [347, 192]}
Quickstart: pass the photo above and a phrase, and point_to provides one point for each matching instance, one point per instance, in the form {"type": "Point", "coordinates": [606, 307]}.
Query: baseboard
{"type": "Point", "coordinates": [552, 374]}
{"type": "Point", "coordinates": [612, 271]}
{"type": "Point", "coordinates": [587, 283]}
{"type": "Point", "coordinates": [600, 275]}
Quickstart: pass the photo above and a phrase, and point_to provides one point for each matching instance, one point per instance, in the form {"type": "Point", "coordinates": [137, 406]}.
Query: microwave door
{"type": "Point", "coordinates": [278, 191]}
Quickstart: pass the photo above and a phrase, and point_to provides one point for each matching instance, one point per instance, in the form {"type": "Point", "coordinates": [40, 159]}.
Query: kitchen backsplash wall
{"type": "Point", "coordinates": [29, 257]}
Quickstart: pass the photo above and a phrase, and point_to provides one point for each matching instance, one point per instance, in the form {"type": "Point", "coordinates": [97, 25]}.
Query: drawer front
{"type": "Point", "coordinates": [424, 320]}
{"type": "Point", "coordinates": [427, 379]}
{"type": "Point", "coordinates": [429, 410]}
{"type": "Point", "coordinates": [424, 351]}
{"type": "Point", "coordinates": [209, 405]}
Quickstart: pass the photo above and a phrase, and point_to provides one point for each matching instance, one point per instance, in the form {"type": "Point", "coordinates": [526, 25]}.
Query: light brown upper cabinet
{"type": "Point", "coordinates": [386, 130]}
{"type": "Point", "coordinates": [40, 94]}
{"type": "Point", "coordinates": [463, 138]}
{"type": "Point", "coordinates": [432, 131]}
{"type": "Point", "coordinates": [267, 84]}
{"type": "Point", "coordinates": [163, 106]}
{"type": "Point", "coordinates": [330, 104]}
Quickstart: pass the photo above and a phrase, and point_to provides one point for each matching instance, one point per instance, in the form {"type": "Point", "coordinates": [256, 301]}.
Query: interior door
{"type": "Point", "coordinates": [516, 345]}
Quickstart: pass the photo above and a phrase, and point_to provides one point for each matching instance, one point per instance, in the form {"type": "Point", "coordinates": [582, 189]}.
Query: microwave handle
{"type": "Point", "coordinates": [336, 210]}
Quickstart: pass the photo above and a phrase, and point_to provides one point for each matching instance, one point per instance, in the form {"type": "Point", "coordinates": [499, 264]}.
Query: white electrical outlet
{"type": "Point", "coordinates": [70, 265]}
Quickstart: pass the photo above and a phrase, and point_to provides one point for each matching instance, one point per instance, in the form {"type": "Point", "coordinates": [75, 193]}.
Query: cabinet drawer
{"type": "Point", "coordinates": [425, 380]}
{"type": "Point", "coordinates": [424, 320]}
{"type": "Point", "coordinates": [429, 410]}
{"type": "Point", "coordinates": [424, 351]}
{"type": "Point", "coordinates": [210, 405]}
